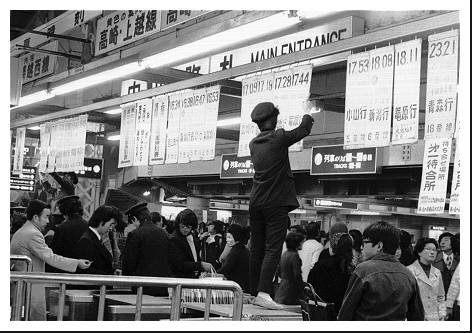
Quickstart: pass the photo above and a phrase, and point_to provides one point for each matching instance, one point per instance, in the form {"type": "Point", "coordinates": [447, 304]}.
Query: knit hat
{"type": "Point", "coordinates": [336, 231]}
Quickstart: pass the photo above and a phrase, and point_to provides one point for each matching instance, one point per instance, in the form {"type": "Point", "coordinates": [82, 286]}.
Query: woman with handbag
{"type": "Point", "coordinates": [330, 276]}
{"type": "Point", "coordinates": [236, 265]}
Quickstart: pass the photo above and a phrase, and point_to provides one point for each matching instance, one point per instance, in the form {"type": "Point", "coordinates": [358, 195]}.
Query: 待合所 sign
{"type": "Point", "coordinates": [233, 166]}
{"type": "Point", "coordinates": [318, 202]}
{"type": "Point", "coordinates": [334, 160]}
{"type": "Point", "coordinates": [24, 181]}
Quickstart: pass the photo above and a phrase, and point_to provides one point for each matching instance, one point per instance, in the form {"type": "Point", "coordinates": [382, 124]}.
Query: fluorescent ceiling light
{"type": "Point", "coordinates": [147, 193]}
{"type": "Point", "coordinates": [35, 97]}
{"type": "Point", "coordinates": [222, 39]}
{"type": "Point", "coordinates": [228, 122]}
{"type": "Point", "coordinates": [95, 79]}
{"type": "Point", "coordinates": [113, 137]}
{"type": "Point", "coordinates": [34, 128]}
{"type": "Point", "coordinates": [113, 111]}
{"type": "Point", "coordinates": [313, 14]}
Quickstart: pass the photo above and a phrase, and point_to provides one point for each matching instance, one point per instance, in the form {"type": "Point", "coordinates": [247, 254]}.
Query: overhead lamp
{"type": "Point", "coordinates": [228, 122]}
{"type": "Point", "coordinates": [312, 14]}
{"type": "Point", "coordinates": [113, 111]}
{"type": "Point", "coordinates": [34, 128]}
{"type": "Point", "coordinates": [223, 39]}
{"type": "Point", "coordinates": [146, 193]}
{"type": "Point", "coordinates": [35, 97]}
{"type": "Point", "coordinates": [95, 79]}
{"type": "Point", "coordinates": [113, 137]}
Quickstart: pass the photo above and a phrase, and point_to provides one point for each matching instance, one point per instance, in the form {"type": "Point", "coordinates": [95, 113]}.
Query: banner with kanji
{"type": "Point", "coordinates": [441, 87]}
{"type": "Point", "coordinates": [158, 130]}
{"type": "Point", "coordinates": [437, 153]}
{"type": "Point", "coordinates": [142, 131]}
{"type": "Point", "coordinates": [44, 139]}
{"type": "Point", "coordinates": [288, 89]}
{"type": "Point", "coordinates": [406, 92]}
{"type": "Point", "coordinates": [127, 135]}
{"type": "Point", "coordinates": [454, 202]}
{"type": "Point", "coordinates": [369, 85]}
{"type": "Point", "coordinates": [19, 148]}
{"type": "Point", "coordinates": [173, 128]}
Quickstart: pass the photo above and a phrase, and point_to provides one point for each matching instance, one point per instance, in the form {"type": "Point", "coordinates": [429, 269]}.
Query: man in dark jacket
{"type": "Point", "coordinates": [446, 261]}
{"type": "Point", "coordinates": [272, 197]}
{"type": "Point", "coordinates": [381, 288]}
{"type": "Point", "coordinates": [185, 260]}
{"type": "Point", "coordinates": [90, 245]}
{"type": "Point", "coordinates": [69, 232]}
{"type": "Point", "coordinates": [146, 252]}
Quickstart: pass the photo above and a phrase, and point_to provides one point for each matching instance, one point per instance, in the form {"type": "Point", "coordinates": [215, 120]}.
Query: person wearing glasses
{"type": "Point", "coordinates": [184, 255]}
{"type": "Point", "coordinates": [381, 288]}
{"type": "Point", "coordinates": [429, 279]}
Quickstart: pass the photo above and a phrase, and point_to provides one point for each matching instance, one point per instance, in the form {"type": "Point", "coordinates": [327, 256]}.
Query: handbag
{"type": "Point", "coordinates": [217, 296]}
{"type": "Point", "coordinates": [314, 308]}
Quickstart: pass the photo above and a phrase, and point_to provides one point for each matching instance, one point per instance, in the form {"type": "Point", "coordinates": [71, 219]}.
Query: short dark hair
{"type": "Point", "coordinates": [240, 233]}
{"type": "Point", "coordinates": [186, 217]}
{"type": "Point", "coordinates": [103, 214]}
{"type": "Point", "coordinates": [218, 225]}
{"type": "Point", "coordinates": [298, 228]}
{"type": "Point", "coordinates": [293, 240]}
{"type": "Point", "coordinates": [385, 233]}
{"type": "Point", "coordinates": [156, 217]}
{"type": "Point", "coordinates": [445, 234]}
{"type": "Point", "coordinates": [421, 243]}
{"type": "Point", "coordinates": [72, 206]}
{"type": "Point", "coordinates": [35, 207]}
{"type": "Point", "coordinates": [356, 239]}
{"type": "Point", "coordinates": [312, 230]}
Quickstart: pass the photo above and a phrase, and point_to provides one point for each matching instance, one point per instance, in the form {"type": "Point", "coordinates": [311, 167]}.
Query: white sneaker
{"type": "Point", "coordinates": [267, 303]}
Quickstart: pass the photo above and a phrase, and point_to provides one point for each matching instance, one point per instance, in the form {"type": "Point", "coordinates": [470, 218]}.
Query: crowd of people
{"type": "Point", "coordinates": [377, 274]}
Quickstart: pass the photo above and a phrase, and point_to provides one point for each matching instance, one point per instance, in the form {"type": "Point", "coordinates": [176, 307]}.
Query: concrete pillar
{"type": "Point", "coordinates": [201, 208]}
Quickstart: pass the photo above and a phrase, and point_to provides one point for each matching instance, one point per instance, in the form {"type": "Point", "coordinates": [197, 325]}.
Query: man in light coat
{"type": "Point", "coordinates": [29, 241]}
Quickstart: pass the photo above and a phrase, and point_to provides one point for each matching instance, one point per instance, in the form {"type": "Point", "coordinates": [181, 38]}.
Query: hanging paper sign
{"type": "Point", "coordinates": [19, 147]}
{"type": "Point", "coordinates": [173, 128]}
{"type": "Point", "coordinates": [437, 153]}
{"type": "Point", "coordinates": [190, 102]}
{"type": "Point", "coordinates": [207, 151]}
{"type": "Point", "coordinates": [441, 88]}
{"type": "Point", "coordinates": [124, 27]}
{"type": "Point", "coordinates": [158, 130]}
{"type": "Point", "coordinates": [52, 148]}
{"type": "Point", "coordinates": [169, 18]}
{"type": "Point", "coordinates": [406, 92]}
{"type": "Point", "coordinates": [289, 90]}
{"type": "Point", "coordinates": [81, 138]}
{"type": "Point", "coordinates": [127, 135]}
{"type": "Point", "coordinates": [454, 202]}
{"type": "Point", "coordinates": [37, 65]}
{"type": "Point", "coordinates": [369, 85]}
{"type": "Point", "coordinates": [142, 132]}
{"type": "Point", "coordinates": [44, 138]}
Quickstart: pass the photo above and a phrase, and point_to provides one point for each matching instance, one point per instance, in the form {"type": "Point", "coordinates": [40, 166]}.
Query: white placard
{"type": "Point", "coordinates": [158, 130]}
{"type": "Point", "coordinates": [173, 128]}
{"type": "Point", "coordinates": [52, 147]}
{"type": "Point", "coordinates": [169, 18]}
{"type": "Point", "coordinates": [143, 131]}
{"type": "Point", "coordinates": [82, 136]}
{"type": "Point", "coordinates": [34, 65]}
{"type": "Point", "coordinates": [437, 153]}
{"type": "Point", "coordinates": [441, 89]}
{"type": "Point", "coordinates": [309, 38]}
{"type": "Point", "coordinates": [67, 147]}
{"type": "Point", "coordinates": [124, 27]}
{"type": "Point", "coordinates": [19, 148]}
{"type": "Point", "coordinates": [369, 87]}
{"type": "Point", "coordinates": [127, 135]}
{"type": "Point", "coordinates": [289, 90]}
{"type": "Point", "coordinates": [210, 123]}
{"type": "Point", "coordinates": [74, 142]}
{"type": "Point", "coordinates": [191, 101]}
{"type": "Point", "coordinates": [454, 202]}
{"type": "Point", "coordinates": [406, 92]}
{"type": "Point", "coordinates": [60, 145]}
{"type": "Point", "coordinates": [44, 138]}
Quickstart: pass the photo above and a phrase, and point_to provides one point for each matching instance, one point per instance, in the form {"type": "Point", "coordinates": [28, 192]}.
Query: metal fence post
{"type": "Point", "coordinates": [176, 299]}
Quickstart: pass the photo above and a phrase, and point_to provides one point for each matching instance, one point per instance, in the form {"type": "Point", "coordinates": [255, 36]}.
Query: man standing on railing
{"type": "Point", "coordinates": [29, 241]}
{"type": "Point", "coordinates": [272, 197]}
{"type": "Point", "coordinates": [146, 252]}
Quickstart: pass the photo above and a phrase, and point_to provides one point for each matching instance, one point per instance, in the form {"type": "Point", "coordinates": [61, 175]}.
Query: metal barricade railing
{"type": "Point", "coordinates": [128, 281]}
{"type": "Point", "coordinates": [27, 295]}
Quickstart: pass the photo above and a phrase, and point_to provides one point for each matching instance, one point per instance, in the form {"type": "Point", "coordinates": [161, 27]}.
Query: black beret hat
{"type": "Point", "coordinates": [263, 110]}
{"type": "Point", "coordinates": [133, 210]}
{"type": "Point", "coordinates": [67, 199]}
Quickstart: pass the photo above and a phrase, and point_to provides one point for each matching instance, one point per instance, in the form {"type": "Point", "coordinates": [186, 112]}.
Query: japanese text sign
{"type": "Point", "coordinates": [334, 160]}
